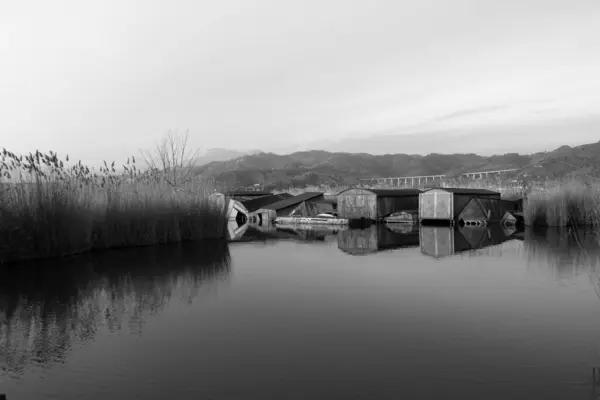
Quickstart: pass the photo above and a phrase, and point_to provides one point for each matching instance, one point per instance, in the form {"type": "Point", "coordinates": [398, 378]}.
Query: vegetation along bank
{"type": "Point", "coordinates": [50, 207]}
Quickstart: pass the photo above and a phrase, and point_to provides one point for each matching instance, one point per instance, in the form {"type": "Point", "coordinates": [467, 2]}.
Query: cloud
{"type": "Point", "coordinates": [87, 80]}
{"type": "Point", "coordinates": [470, 112]}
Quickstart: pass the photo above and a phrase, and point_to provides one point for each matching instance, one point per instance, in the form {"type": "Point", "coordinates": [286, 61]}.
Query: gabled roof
{"type": "Point", "coordinates": [260, 202]}
{"type": "Point", "coordinates": [293, 200]}
{"type": "Point", "coordinates": [467, 191]}
{"type": "Point", "coordinates": [389, 192]}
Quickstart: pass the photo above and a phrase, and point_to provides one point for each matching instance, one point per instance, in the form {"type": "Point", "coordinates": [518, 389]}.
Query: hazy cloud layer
{"type": "Point", "coordinates": [102, 79]}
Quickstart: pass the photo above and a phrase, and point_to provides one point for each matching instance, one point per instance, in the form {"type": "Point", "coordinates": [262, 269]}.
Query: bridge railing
{"type": "Point", "coordinates": [412, 181]}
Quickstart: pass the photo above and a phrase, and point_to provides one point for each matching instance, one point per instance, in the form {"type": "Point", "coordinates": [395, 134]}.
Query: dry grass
{"type": "Point", "coordinates": [564, 204]}
{"type": "Point", "coordinates": [50, 209]}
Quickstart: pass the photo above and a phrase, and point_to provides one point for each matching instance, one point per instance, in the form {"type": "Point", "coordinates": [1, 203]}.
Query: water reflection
{"type": "Point", "coordinates": [565, 251]}
{"type": "Point", "coordinates": [236, 230]}
{"type": "Point", "coordinates": [47, 308]}
{"type": "Point", "coordinates": [291, 313]}
{"type": "Point", "coordinates": [445, 241]}
{"type": "Point", "coordinates": [558, 248]}
{"type": "Point", "coordinates": [313, 233]}
{"type": "Point", "coordinates": [305, 233]}
{"type": "Point", "coordinates": [434, 241]}
{"type": "Point", "coordinates": [377, 238]}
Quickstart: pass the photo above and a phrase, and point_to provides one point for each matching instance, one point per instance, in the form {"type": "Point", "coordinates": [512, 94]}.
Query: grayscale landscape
{"type": "Point", "coordinates": [300, 200]}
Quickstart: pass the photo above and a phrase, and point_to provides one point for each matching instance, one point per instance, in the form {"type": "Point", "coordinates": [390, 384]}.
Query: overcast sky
{"type": "Point", "coordinates": [101, 79]}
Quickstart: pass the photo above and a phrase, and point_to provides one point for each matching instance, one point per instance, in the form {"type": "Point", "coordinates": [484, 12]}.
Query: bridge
{"type": "Point", "coordinates": [411, 180]}
{"type": "Point", "coordinates": [485, 174]}
{"type": "Point", "coordinates": [399, 180]}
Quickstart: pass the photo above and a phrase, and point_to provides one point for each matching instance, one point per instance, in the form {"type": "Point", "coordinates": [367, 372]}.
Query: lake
{"type": "Point", "coordinates": [386, 312]}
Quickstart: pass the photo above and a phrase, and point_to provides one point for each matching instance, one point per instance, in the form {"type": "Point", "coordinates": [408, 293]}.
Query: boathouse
{"type": "Point", "coordinates": [375, 204]}
{"type": "Point", "coordinates": [284, 207]}
{"type": "Point", "coordinates": [450, 205]}
{"type": "Point", "coordinates": [234, 210]}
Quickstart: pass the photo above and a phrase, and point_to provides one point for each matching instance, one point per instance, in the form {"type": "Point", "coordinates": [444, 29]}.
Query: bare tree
{"type": "Point", "coordinates": [173, 158]}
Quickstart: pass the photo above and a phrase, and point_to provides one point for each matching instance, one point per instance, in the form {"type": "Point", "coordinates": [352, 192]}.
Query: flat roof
{"type": "Point", "coordinates": [470, 191]}
{"type": "Point", "coordinates": [389, 192]}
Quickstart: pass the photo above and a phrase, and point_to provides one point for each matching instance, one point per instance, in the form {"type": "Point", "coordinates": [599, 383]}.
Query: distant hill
{"type": "Point", "coordinates": [323, 167]}
{"type": "Point", "coordinates": [212, 155]}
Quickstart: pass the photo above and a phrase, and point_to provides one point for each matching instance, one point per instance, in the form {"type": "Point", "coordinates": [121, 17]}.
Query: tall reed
{"type": "Point", "coordinates": [564, 204]}
{"type": "Point", "coordinates": [49, 209]}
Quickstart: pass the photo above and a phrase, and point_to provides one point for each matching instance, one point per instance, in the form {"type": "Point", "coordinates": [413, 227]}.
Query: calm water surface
{"type": "Point", "coordinates": [416, 313]}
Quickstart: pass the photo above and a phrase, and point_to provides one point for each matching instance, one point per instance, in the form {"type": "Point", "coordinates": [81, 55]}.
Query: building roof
{"type": "Point", "coordinates": [396, 192]}
{"type": "Point", "coordinates": [313, 208]}
{"type": "Point", "coordinates": [248, 193]}
{"type": "Point", "coordinates": [293, 200]}
{"type": "Point", "coordinates": [468, 191]}
{"type": "Point", "coordinates": [260, 202]}
{"type": "Point", "coordinates": [389, 192]}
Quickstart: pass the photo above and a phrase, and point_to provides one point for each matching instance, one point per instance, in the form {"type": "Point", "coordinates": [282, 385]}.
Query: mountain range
{"type": "Point", "coordinates": [218, 154]}
{"type": "Point", "coordinates": [315, 167]}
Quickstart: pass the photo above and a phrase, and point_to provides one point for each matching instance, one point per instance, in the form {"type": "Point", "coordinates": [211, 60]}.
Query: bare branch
{"type": "Point", "coordinates": [173, 158]}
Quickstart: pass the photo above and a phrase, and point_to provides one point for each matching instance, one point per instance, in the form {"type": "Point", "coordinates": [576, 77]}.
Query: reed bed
{"type": "Point", "coordinates": [570, 203]}
{"type": "Point", "coordinates": [49, 208]}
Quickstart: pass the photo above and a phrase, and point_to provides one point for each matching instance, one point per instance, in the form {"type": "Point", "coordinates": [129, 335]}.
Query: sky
{"type": "Point", "coordinates": [103, 79]}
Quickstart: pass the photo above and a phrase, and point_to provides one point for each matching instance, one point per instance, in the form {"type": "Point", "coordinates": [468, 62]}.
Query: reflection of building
{"type": "Point", "coordinates": [312, 232]}
{"type": "Point", "coordinates": [444, 241]}
{"type": "Point", "coordinates": [377, 237]}
{"type": "Point", "coordinates": [374, 204]}
{"type": "Point", "coordinates": [262, 233]}
{"type": "Point", "coordinates": [235, 231]}
{"type": "Point", "coordinates": [255, 232]}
